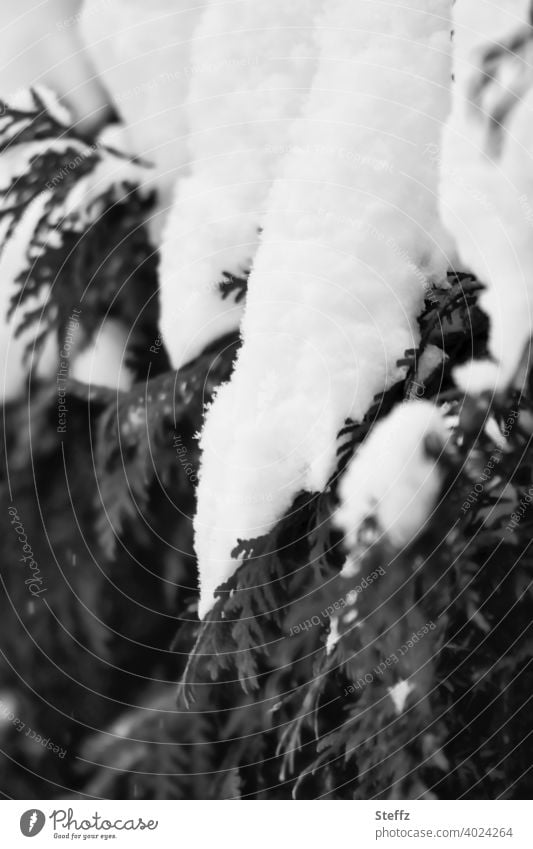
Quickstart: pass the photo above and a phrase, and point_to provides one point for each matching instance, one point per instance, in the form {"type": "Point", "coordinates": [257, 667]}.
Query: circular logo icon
{"type": "Point", "coordinates": [32, 822]}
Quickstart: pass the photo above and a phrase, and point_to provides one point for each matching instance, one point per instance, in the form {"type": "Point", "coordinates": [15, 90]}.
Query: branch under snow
{"type": "Point", "coordinates": [251, 66]}
{"type": "Point", "coordinates": [392, 478]}
{"type": "Point", "coordinates": [52, 184]}
{"type": "Point", "coordinates": [142, 51]}
{"type": "Point", "coordinates": [350, 246]}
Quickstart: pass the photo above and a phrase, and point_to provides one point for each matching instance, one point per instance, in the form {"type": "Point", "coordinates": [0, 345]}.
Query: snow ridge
{"type": "Point", "coordinates": [142, 52]}
{"type": "Point", "coordinates": [252, 64]}
{"type": "Point", "coordinates": [392, 478]}
{"type": "Point", "coordinates": [349, 248]}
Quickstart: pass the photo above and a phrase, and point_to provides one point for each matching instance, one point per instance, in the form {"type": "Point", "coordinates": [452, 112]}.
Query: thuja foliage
{"type": "Point", "coordinates": [75, 210]}
{"type": "Point", "coordinates": [409, 679]}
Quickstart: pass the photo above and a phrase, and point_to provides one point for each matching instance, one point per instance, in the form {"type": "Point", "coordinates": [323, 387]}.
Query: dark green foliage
{"type": "Point", "coordinates": [112, 664]}
{"type": "Point", "coordinates": [93, 255]}
{"type": "Point", "coordinates": [342, 735]}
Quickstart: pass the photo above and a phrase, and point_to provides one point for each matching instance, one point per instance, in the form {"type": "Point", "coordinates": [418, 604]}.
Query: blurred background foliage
{"type": "Point", "coordinates": [111, 664]}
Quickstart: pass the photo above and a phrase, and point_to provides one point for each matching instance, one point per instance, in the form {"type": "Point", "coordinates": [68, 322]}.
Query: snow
{"type": "Point", "coordinates": [102, 363]}
{"type": "Point", "coordinates": [8, 705]}
{"type": "Point", "coordinates": [350, 245]}
{"type": "Point", "coordinates": [399, 695]}
{"type": "Point", "coordinates": [37, 49]}
{"type": "Point", "coordinates": [392, 478]}
{"type": "Point", "coordinates": [142, 52]}
{"type": "Point", "coordinates": [431, 360]}
{"type": "Point", "coordinates": [487, 195]}
{"type": "Point", "coordinates": [333, 635]}
{"type": "Point", "coordinates": [251, 68]}
{"type": "Point", "coordinates": [53, 106]}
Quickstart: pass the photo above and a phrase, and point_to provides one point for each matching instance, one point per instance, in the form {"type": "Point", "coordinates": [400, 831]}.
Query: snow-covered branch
{"type": "Point", "coordinates": [252, 65]}
{"type": "Point", "coordinates": [351, 245]}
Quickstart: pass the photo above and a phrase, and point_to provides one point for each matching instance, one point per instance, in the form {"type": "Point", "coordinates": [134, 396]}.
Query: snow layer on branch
{"type": "Point", "coordinates": [349, 246]}
{"type": "Point", "coordinates": [142, 51]}
{"type": "Point", "coordinates": [400, 693]}
{"type": "Point", "coordinates": [103, 362]}
{"type": "Point", "coordinates": [392, 478]}
{"type": "Point", "coordinates": [252, 65]}
{"type": "Point", "coordinates": [42, 47]}
{"type": "Point", "coordinates": [487, 181]}
{"type": "Point", "coordinates": [13, 261]}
